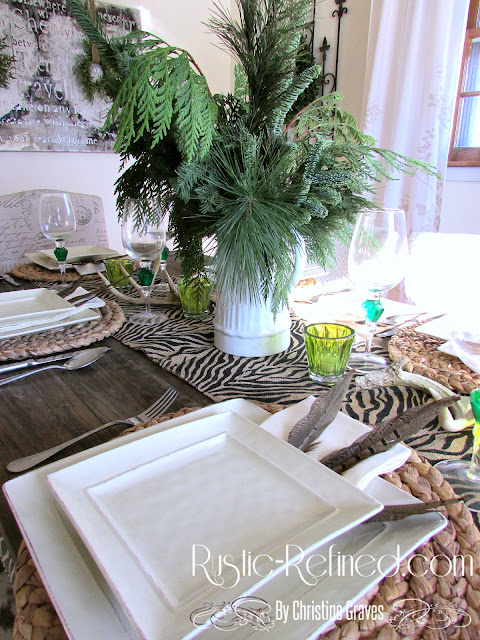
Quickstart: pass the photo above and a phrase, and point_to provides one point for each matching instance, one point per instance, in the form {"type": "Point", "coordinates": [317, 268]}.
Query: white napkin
{"type": "Point", "coordinates": [340, 433]}
{"type": "Point", "coordinates": [88, 268]}
{"type": "Point", "coordinates": [80, 291]}
{"type": "Point", "coordinates": [472, 360]}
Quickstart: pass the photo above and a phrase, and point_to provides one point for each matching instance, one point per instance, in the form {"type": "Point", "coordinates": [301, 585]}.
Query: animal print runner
{"type": "Point", "coordinates": [185, 348]}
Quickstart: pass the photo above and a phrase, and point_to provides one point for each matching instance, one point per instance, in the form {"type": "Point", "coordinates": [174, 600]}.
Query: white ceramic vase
{"type": "Point", "coordinates": [252, 330]}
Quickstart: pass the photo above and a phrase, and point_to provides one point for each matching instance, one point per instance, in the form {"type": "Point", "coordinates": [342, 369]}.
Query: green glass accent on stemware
{"type": "Point", "coordinates": [373, 309]}
{"type": "Point", "coordinates": [475, 402]}
{"type": "Point", "coordinates": [145, 276]}
{"type": "Point", "coordinates": [60, 253]}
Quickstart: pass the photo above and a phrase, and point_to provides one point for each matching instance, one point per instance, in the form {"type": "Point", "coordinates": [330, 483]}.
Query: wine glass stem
{"type": "Point", "coordinates": [63, 268]}
{"type": "Point", "coordinates": [370, 328]}
{"type": "Point", "coordinates": [373, 310]}
{"type": "Point", "coordinates": [147, 292]}
{"type": "Point", "coordinates": [474, 471]}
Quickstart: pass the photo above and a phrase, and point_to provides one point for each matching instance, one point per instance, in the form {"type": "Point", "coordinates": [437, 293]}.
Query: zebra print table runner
{"type": "Point", "coordinates": [185, 348]}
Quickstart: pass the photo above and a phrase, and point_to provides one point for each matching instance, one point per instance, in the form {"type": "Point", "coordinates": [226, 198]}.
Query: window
{"type": "Point", "coordinates": [465, 143]}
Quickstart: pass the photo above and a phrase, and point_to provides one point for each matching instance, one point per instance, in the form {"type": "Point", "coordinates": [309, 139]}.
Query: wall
{"type": "Point", "coordinates": [353, 48]}
{"type": "Point", "coordinates": [180, 24]}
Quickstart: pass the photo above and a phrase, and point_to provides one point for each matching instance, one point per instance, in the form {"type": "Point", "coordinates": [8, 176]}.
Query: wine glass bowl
{"type": "Point", "coordinates": [57, 223]}
{"type": "Point", "coordinates": [143, 241]}
{"type": "Point", "coordinates": [377, 261]}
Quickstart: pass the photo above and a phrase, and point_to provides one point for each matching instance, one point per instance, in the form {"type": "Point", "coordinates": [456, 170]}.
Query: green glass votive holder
{"type": "Point", "coordinates": [115, 275]}
{"type": "Point", "coordinates": [195, 297]}
{"type": "Point", "coordinates": [328, 347]}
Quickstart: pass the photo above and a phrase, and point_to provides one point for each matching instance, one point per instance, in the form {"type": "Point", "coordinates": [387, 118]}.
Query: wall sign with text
{"type": "Point", "coordinates": [43, 108]}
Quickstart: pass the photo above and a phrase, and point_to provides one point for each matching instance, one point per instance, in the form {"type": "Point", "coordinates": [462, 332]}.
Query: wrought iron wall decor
{"type": "Point", "coordinates": [330, 77]}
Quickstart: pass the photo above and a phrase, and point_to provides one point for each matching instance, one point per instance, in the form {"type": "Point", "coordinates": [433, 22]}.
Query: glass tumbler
{"type": "Point", "coordinates": [328, 347]}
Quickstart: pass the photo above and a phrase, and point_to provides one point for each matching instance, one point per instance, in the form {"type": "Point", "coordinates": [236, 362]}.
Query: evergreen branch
{"type": "Point", "coordinates": [290, 96]}
{"type": "Point", "coordinates": [92, 32]}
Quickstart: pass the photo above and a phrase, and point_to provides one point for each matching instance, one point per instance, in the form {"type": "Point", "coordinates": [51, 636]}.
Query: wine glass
{"type": "Point", "coordinates": [57, 222]}
{"type": "Point", "coordinates": [143, 241]}
{"type": "Point", "coordinates": [376, 263]}
{"type": "Point", "coordinates": [464, 475]}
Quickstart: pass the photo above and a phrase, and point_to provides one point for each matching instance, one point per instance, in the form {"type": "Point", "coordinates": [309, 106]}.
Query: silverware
{"type": "Point", "coordinates": [316, 298]}
{"type": "Point", "coordinates": [78, 361]}
{"type": "Point", "coordinates": [393, 320]}
{"type": "Point", "coordinates": [34, 362]}
{"type": "Point", "coordinates": [9, 279]}
{"type": "Point", "coordinates": [157, 409]}
{"type": "Point", "coordinates": [395, 330]}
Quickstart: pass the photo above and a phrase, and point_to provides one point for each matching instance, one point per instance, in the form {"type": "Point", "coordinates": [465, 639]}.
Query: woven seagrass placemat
{"type": "Point", "coordinates": [451, 598]}
{"type": "Point", "coordinates": [423, 358]}
{"type": "Point", "coordinates": [44, 343]}
{"type": "Point", "coordinates": [37, 273]}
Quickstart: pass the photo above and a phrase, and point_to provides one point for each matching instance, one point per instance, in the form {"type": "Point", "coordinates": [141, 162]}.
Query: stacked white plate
{"type": "Point", "coordinates": [86, 253]}
{"type": "Point", "coordinates": [214, 524]}
{"type": "Point", "coordinates": [33, 310]}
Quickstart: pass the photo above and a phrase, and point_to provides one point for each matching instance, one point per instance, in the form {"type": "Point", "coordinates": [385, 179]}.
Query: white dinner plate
{"type": "Point", "coordinates": [74, 589]}
{"type": "Point", "coordinates": [35, 307]}
{"type": "Point", "coordinates": [151, 511]}
{"type": "Point", "coordinates": [86, 253]}
{"type": "Point", "coordinates": [30, 305]}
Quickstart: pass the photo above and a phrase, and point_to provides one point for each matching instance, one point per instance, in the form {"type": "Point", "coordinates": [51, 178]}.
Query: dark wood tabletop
{"type": "Point", "coordinates": [51, 407]}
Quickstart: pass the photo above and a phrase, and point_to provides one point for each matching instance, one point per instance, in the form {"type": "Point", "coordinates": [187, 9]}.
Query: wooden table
{"type": "Point", "coordinates": [51, 407]}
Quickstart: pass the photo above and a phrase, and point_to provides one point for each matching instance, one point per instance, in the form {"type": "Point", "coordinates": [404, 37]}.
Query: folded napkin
{"type": "Point", "coordinates": [89, 268]}
{"type": "Point", "coordinates": [340, 433]}
{"type": "Point", "coordinates": [471, 359]}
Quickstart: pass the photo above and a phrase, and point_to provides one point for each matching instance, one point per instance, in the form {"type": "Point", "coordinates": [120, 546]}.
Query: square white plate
{"type": "Point", "coordinates": [86, 253]}
{"type": "Point", "coordinates": [30, 304]}
{"type": "Point", "coordinates": [36, 307]}
{"type": "Point", "coordinates": [147, 510]}
{"type": "Point", "coordinates": [75, 587]}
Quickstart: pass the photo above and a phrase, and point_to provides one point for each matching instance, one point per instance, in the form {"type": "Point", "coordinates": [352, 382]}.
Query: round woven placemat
{"type": "Point", "coordinates": [423, 358]}
{"type": "Point", "coordinates": [44, 343]}
{"type": "Point", "coordinates": [37, 273]}
{"type": "Point", "coordinates": [457, 591]}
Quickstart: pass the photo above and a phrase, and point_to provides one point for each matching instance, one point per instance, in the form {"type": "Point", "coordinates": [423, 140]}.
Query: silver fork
{"type": "Point", "coordinates": [157, 409]}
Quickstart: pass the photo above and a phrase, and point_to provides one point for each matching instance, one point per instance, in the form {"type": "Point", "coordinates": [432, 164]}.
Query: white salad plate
{"type": "Point", "coordinates": [86, 253]}
{"type": "Point", "coordinates": [151, 511]}
{"type": "Point", "coordinates": [34, 307]}
{"type": "Point", "coordinates": [75, 585]}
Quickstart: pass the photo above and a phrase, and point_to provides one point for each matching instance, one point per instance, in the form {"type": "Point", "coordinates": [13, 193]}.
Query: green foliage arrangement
{"type": "Point", "coordinates": [239, 168]}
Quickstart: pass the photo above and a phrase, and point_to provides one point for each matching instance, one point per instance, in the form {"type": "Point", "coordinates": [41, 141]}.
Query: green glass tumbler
{"type": "Point", "coordinates": [115, 275]}
{"type": "Point", "coordinates": [195, 297]}
{"type": "Point", "coordinates": [328, 347]}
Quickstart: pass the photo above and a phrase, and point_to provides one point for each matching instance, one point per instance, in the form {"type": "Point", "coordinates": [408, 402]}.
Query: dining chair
{"type": "Point", "coordinates": [20, 231]}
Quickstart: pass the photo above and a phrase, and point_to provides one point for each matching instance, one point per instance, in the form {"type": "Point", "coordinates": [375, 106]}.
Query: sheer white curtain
{"type": "Point", "coordinates": [413, 62]}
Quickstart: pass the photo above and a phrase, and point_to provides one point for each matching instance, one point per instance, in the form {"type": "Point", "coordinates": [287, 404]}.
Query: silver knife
{"type": "Point", "coordinates": [9, 279]}
{"type": "Point", "coordinates": [33, 362]}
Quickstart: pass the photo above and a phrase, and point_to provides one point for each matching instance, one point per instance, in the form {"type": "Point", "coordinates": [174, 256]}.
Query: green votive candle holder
{"type": "Point", "coordinates": [195, 297]}
{"type": "Point", "coordinates": [115, 275]}
{"type": "Point", "coordinates": [328, 347]}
